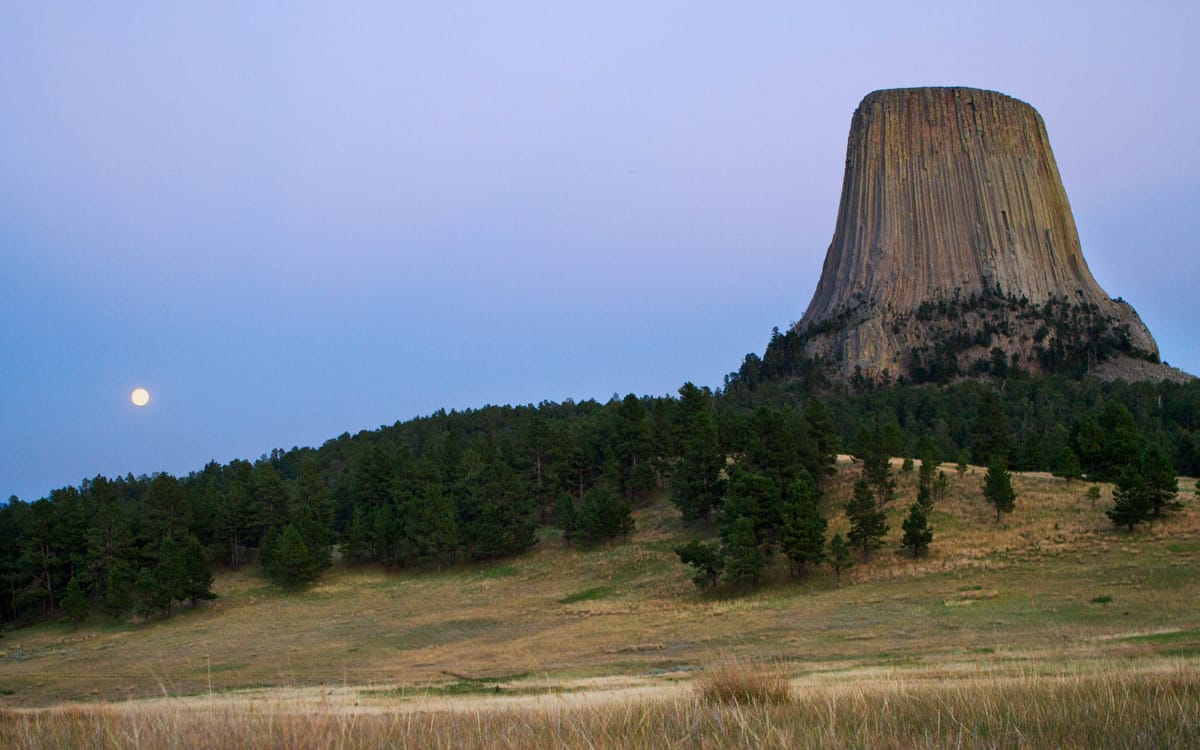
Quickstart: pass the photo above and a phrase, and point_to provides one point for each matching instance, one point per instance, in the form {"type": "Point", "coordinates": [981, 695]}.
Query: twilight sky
{"type": "Point", "coordinates": [287, 225]}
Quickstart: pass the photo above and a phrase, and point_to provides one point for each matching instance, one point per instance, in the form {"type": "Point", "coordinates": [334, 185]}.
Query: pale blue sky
{"type": "Point", "coordinates": [292, 224]}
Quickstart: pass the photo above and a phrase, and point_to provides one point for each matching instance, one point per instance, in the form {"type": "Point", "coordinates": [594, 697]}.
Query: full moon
{"type": "Point", "coordinates": [140, 397]}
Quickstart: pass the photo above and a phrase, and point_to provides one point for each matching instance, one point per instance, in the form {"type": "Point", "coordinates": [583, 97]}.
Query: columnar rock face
{"type": "Point", "coordinates": [954, 245]}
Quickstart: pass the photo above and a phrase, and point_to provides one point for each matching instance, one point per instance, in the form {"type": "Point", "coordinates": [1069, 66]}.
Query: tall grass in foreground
{"type": "Point", "coordinates": [1078, 711]}
{"type": "Point", "coordinates": [743, 682]}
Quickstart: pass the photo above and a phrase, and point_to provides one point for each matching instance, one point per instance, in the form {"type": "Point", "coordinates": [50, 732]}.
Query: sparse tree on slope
{"type": "Point", "coordinates": [917, 534]}
{"type": "Point", "coordinates": [1131, 503]}
{"type": "Point", "coordinates": [997, 486]}
{"type": "Point", "coordinates": [868, 524]}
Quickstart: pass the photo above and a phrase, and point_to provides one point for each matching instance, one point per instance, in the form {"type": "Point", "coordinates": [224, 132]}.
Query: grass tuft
{"type": "Point", "coordinates": [743, 682]}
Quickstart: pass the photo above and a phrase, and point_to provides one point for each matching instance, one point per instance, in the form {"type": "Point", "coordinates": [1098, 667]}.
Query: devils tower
{"type": "Point", "coordinates": [955, 253]}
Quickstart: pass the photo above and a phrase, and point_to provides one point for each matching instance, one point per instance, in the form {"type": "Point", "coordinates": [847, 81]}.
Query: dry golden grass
{"type": "Point", "coordinates": [1129, 709]}
{"type": "Point", "coordinates": [740, 681]}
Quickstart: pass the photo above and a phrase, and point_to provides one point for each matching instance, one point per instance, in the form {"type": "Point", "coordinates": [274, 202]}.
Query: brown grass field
{"type": "Point", "coordinates": [1049, 629]}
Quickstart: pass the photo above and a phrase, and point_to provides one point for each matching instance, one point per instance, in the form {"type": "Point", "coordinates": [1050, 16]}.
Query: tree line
{"type": "Point", "coordinates": [477, 484]}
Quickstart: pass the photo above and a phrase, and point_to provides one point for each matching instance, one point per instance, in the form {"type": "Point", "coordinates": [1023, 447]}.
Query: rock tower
{"type": "Point", "coordinates": [955, 252]}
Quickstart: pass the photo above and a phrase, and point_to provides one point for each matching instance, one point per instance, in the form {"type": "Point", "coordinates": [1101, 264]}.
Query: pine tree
{"type": "Point", "coordinates": [292, 564]}
{"type": "Point", "coordinates": [564, 516]}
{"type": "Point", "coordinates": [312, 512]}
{"type": "Point", "coordinates": [115, 600]}
{"type": "Point", "coordinates": [992, 433]}
{"type": "Point", "coordinates": [75, 603]}
{"type": "Point", "coordinates": [929, 468]}
{"type": "Point", "coordinates": [696, 484]}
{"type": "Point", "coordinates": [602, 516]}
{"type": "Point", "coordinates": [802, 537]}
{"type": "Point", "coordinates": [925, 497]}
{"type": "Point", "coordinates": [1162, 486]}
{"type": "Point", "coordinates": [356, 543]}
{"type": "Point", "coordinates": [997, 486]}
{"type": "Point", "coordinates": [197, 572]}
{"type": "Point", "coordinates": [824, 435]}
{"type": "Point", "coordinates": [941, 485]}
{"type": "Point", "coordinates": [877, 467]}
{"type": "Point", "coordinates": [917, 534]}
{"type": "Point", "coordinates": [868, 523]}
{"type": "Point", "coordinates": [632, 446]}
{"type": "Point", "coordinates": [839, 557]}
{"type": "Point", "coordinates": [744, 558]}
{"type": "Point", "coordinates": [1131, 499]}
{"type": "Point", "coordinates": [706, 562]}
{"type": "Point", "coordinates": [756, 497]}
{"type": "Point", "coordinates": [1068, 466]}
{"type": "Point", "coordinates": [151, 598]}
{"type": "Point", "coordinates": [169, 574]}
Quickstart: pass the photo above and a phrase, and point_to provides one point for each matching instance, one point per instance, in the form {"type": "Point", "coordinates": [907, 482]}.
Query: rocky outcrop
{"type": "Point", "coordinates": [955, 251]}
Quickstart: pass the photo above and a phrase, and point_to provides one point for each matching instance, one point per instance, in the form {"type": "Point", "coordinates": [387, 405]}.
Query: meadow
{"type": "Point", "coordinates": [1047, 629]}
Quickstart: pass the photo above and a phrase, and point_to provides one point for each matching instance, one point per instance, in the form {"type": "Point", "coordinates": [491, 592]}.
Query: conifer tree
{"type": "Point", "coordinates": [75, 603]}
{"type": "Point", "coordinates": [744, 558]}
{"type": "Point", "coordinates": [877, 467]}
{"type": "Point", "coordinates": [564, 516]}
{"type": "Point", "coordinates": [839, 557]}
{"type": "Point", "coordinates": [927, 473]}
{"type": "Point", "coordinates": [756, 497]}
{"type": "Point", "coordinates": [941, 485]}
{"type": "Point", "coordinates": [356, 543]}
{"type": "Point", "coordinates": [292, 564]}
{"type": "Point", "coordinates": [197, 572]}
{"type": "Point", "coordinates": [706, 562]}
{"type": "Point", "coordinates": [824, 435]}
{"type": "Point", "coordinates": [917, 534]}
{"type": "Point", "coordinates": [1068, 466]}
{"type": "Point", "coordinates": [602, 516]}
{"type": "Point", "coordinates": [311, 512]}
{"type": "Point", "coordinates": [115, 601]}
{"type": "Point", "coordinates": [802, 537]}
{"type": "Point", "coordinates": [151, 597]}
{"type": "Point", "coordinates": [696, 485]}
{"type": "Point", "coordinates": [868, 523]}
{"type": "Point", "coordinates": [925, 497]}
{"type": "Point", "coordinates": [997, 486]}
{"type": "Point", "coordinates": [1162, 486]}
{"type": "Point", "coordinates": [169, 574]}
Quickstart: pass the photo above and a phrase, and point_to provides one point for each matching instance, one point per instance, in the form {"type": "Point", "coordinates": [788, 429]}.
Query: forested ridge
{"type": "Point", "coordinates": [477, 484]}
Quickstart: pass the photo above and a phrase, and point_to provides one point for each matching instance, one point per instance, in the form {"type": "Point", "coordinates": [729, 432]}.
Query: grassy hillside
{"type": "Point", "coordinates": [1051, 591]}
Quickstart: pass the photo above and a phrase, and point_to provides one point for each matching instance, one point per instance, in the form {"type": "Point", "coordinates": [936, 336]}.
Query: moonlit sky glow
{"type": "Point", "coordinates": [291, 221]}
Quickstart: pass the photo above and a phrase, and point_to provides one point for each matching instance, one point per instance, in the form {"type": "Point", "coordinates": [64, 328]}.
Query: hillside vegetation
{"type": "Point", "coordinates": [1052, 587]}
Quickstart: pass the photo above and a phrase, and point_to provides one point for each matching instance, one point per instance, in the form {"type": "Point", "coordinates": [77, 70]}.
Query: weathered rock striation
{"type": "Point", "coordinates": [955, 252]}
